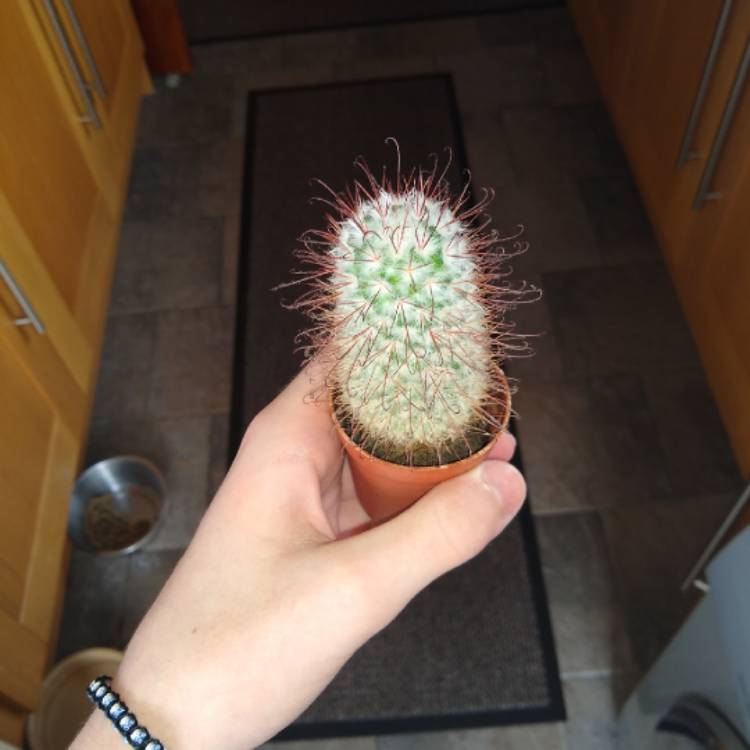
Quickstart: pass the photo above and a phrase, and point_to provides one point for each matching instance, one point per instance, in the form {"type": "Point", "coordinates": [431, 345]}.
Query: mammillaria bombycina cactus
{"type": "Point", "coordinates": [408, 295]}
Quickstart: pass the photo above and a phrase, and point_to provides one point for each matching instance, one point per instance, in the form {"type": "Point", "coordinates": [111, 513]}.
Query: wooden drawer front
{"type": "Point", "coordinates": [37, 468]}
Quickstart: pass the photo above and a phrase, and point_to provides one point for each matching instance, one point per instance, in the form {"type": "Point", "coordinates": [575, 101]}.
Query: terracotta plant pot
{"type": "Point", "coordinates": [385, 489]}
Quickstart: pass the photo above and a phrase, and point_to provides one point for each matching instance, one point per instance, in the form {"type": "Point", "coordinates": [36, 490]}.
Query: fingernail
{"type": "Point", "coordinates": [497, 476]}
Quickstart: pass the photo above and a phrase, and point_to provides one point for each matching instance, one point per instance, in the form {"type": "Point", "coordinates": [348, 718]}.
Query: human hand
{"type": "Point", "coordinates": [284, 581]}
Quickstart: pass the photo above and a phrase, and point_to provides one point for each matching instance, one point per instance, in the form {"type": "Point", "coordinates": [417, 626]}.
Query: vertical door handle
{"type": "Point", "coordinates": [92, 116]}
{"type": "Point", "coordinates": [693, 577]}
{"type": "Point", "coordinates": [686, 150]}
{"type": "Point", "coordinates": [29, 314]}
{"type": "Point", "coordinates": [704, 191]}
{"type": "Point", "coordinates": [85, 48]}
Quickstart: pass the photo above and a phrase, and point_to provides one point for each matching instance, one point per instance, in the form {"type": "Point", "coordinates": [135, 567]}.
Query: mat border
{"type": "Point", "coordinates": [517, 7]}
{"type": "Point", "coordinates": [554, 711]}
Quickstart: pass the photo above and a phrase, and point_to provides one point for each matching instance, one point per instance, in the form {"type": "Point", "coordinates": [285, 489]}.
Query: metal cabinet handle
{"type": "Point", "coordinates": [704, 192]}
{"type": "Point", "coordinates": [30, 317]}
{"type": "Point", "coordinates": [686, 150]}
{"type": "Point", "coordinates": [86, 49]}
{"type": "Point", "coordinates": [92, 116]}
{"type": "Point", "coordinates": [692, 578]}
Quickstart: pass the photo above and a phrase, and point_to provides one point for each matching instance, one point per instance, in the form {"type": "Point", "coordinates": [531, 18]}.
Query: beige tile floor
{"type": "Point", "coordinates": [610, 449]}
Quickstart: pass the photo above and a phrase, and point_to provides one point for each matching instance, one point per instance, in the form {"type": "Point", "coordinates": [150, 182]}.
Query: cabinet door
{"type": "Point", "coordinates": [114, 58]}
{"type": "Point", "coordinates": [110, 50]}
{"type": "Point", "coordinates": [49, 175]}
{"type": "Point", "coordinates": [59, 354]}
{"type": "Point", "coordinates": [12, 723]}
{"type": "Point", "coordinates": [710, 262]}
{"type": "Point", "coordinates": [715, 291]}
{"type": "Point", "coordinates": [37, 467]}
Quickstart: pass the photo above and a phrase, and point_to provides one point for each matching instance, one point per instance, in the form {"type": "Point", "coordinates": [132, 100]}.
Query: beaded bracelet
{"type": "Point", "coordinates": [119, 714]}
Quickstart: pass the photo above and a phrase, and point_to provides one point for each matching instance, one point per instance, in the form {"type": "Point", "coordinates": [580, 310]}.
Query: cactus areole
{"type": "Point", "coordinates": [408, 296]}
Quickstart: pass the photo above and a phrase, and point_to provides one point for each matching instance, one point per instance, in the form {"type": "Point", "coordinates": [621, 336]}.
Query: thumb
{"type": "Point", "coordinates": [451, 524]}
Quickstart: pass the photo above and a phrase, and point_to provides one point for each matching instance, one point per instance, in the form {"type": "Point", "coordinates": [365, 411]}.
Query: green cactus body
{"type": "Point", "coordinates": [414, 351]}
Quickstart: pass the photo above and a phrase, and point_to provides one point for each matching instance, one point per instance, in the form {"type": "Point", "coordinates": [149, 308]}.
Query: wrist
{"type": "Point", "coordinates": [97, 734]}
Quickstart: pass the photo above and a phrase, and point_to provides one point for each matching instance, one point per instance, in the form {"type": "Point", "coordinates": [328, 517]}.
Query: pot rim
{"type": "Point", "coordinates": [347, 440]}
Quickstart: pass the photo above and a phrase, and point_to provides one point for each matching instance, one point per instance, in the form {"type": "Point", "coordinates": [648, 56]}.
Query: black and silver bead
{"type": "Point", "coordinates": [138, 736]}
{"type": "Point", "coordinates": [108, 699]}
{"type": "Point", "coordinates": [116, 710]}
{"type": "Point", "coordinates": [154, 744]}
{"type": "Point", "coordinates": [125, 723]}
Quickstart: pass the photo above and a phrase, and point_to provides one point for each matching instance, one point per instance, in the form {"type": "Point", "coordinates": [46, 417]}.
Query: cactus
{"type": "Point", "coordinates": [408, 297]}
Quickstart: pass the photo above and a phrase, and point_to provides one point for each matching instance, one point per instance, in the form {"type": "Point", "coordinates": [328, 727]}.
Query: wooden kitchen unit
{"type": "Point", "coordinates": [676, 80]}
{"type": "Point", "coordinates": [72, 76]}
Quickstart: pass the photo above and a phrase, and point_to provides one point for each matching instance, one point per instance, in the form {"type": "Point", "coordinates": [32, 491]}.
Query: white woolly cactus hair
{"type": "Point", "coordinates": [408, 300]}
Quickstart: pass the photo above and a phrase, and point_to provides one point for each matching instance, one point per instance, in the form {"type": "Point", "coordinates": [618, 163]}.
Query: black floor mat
{"type": "Point", "coordinates": [476, 647]}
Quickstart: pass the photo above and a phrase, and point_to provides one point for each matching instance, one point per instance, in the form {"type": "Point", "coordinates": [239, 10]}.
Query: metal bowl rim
{"type": "Point", "coordinates": [131, 457]}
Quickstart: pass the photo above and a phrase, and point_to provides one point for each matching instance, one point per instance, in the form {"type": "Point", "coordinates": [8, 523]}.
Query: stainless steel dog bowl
{"type": "Point", "coordinates": [116, 506]}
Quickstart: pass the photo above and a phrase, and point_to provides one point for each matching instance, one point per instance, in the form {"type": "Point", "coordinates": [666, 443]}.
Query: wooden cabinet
{"type": "Point", "coordinates": [65, 151]}
{"type": "Point", "coordinates": [710, 261]}
{"type": "Point", "coordinates": [36, 471]}
{"type": "Point", "coordinates": [672, 77]}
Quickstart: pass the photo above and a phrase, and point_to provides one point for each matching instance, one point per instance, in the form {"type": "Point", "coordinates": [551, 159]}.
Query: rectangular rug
{"type": "Point", "coordinates": [476, 647]}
